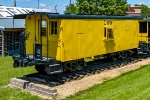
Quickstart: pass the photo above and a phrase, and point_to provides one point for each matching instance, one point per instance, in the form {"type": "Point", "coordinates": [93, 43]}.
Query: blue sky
{"type": "Point", "coordinates": [51, 4]}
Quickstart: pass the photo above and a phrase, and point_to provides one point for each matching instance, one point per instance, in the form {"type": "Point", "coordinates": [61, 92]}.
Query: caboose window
{"type": "Point", "coordinates": [110, 33]}
{"type": "Point", "coordinates": [43, 27]}
{"type": "Point", "coordinates": [143, 27]}
{"type": "Point", "coordinates": [53, 27]}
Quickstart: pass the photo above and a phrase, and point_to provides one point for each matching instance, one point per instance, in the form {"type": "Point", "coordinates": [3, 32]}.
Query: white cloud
{"type": "Point", "coordinates": [42, 5]}
{"type": "Point", "coordinates": [47, 6]}
{"type": "Point", "coordinates": [141, 3]}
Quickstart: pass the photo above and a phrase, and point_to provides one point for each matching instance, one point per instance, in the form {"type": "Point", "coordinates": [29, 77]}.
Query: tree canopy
{"type": "Point", "coordinates": [98, 7]}
{"type": "Point", "coordinates": [145, 10]}
{"type": "Point", "coordinates": [71, 9]}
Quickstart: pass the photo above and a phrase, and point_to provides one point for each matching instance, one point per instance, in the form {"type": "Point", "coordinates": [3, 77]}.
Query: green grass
{"type": "Point", "coordinates": [6, 73]}
{"type": "Point", "coordinates": [134, 85]}
{"type": "Point", "coordinates": [88, 59]}
{"type": "Point", "coordinates": [15, 94]}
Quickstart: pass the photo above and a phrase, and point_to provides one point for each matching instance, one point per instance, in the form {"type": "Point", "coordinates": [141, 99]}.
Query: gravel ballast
{"type": "Point", "coordinates": [70, 88]}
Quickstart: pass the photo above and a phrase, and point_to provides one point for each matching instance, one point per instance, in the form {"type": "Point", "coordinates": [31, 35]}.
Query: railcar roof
{"type": "Point", "coordinates": [67, 16]}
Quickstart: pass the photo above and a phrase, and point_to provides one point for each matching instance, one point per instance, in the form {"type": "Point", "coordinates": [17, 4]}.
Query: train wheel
{"type": "Point", "coordinates": [123, 55]}
{"type": "Point", "coordinates": [73, 65]}
{"type": "Point", "coordinates": [69, 67]}
{"type": "Point", "coordinates": [81, 64]}
{"type": "Point", "coordinates": [40, 69]}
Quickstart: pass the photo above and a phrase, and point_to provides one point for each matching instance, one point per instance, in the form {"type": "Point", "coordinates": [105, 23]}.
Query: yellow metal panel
{"type": "Point", "coordinates": [85, 38]}
{"type": "Point", "coordinates": [143, 37]}
{"type": "Point", "coordinates": [55, 42]}
{"type": "Point", "coordinates": [125, 35]}
{"type": "Point", "coordinates": [30, 35]}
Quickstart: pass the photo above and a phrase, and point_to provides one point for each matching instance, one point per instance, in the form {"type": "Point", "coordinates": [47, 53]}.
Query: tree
{"type": "Point", "coordinates": [71, 9]}
{"type": "Point", "coordinates": [145, 10]}
{"type": "Point", "coordinates": [101, 7]}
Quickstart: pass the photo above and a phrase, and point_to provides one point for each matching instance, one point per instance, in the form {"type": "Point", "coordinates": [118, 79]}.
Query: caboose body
{"type": "Point", "coordinates": [66, 40]}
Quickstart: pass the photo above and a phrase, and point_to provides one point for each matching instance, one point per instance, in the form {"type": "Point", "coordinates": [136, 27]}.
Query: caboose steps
{"type": "Point", "coordinates": [53, 69]}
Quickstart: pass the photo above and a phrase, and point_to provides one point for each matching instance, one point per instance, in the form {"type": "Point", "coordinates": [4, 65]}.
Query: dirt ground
{"type": "Point", "coordinates": [70, 88]}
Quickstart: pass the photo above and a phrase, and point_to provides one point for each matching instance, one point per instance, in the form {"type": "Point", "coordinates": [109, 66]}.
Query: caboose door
{"type": "Point", "coordinates": [54, 39]}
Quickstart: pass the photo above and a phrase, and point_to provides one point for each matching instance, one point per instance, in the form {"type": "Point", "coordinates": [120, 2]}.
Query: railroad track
{"type": "Point", "coordinates": [44, 85]}
{"type": "Point", "coordinates": [91, 69]}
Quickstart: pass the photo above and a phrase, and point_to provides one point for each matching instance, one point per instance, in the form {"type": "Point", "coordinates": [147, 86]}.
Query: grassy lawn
{"type": "Point", "coordinates": [7, 72]}
{"type": "Point", "coordinates": [134, 85]}
{"type": "Point", "coordinates": [15, 94]}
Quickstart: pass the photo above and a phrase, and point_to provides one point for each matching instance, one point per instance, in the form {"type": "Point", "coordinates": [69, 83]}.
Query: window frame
{"type": "Point", "coordinates": [141, 29]}
{"type": "Point", "coordinates": [107, 35]}
{"type": "Point", "coordinates": [41, 27]}
{"type": "Point", "coordinates": [53, 28]}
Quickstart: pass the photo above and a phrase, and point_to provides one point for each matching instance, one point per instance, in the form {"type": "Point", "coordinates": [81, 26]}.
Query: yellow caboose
{"type": "Point", "coordinates": [57, 42]}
